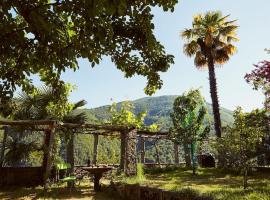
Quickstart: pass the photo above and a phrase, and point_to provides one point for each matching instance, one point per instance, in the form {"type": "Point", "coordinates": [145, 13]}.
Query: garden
{"type": "Point", "coordinates": [167, 147]}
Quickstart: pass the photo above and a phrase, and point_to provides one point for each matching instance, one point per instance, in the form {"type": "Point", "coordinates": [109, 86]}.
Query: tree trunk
{"type": "Point", "coordinates": [214, 97]}
{"type": "Point", "coordinates": [187, 155]}
{"type": "Point", "coordinates": [192, 152]}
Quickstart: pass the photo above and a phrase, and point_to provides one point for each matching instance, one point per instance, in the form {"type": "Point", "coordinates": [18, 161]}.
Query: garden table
{"type": "Point", "coordinates": [98, 173]}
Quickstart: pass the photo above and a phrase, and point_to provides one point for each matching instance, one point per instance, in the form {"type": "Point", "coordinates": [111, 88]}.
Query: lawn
{"type": "Point", "coordinates": [84, 191]}
{"type": "Point", "coordinates": [219, 184]}
{"type": "Point", "coordinates": [213, 182]}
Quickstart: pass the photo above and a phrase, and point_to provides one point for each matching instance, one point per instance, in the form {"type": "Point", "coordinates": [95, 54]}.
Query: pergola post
{"type": "Point", "coordinates": [47, 159]}
{"type": "Point", "coordinates": [70, 154]}
{"type": "Point", "coordinates": [95, 151]}
{"type": "Point", "coordinates": [6, 128]}
{"type": "Point", "coordinates": [131, 153]}
{"type": "Point", "coordinates": [176, 153]}
{"type": "Point", "coordinates": [157, 153]}
{"type": "Point", "coordinates": [123, 151]}
{"type": "Point", "coordinates": [142, 150]}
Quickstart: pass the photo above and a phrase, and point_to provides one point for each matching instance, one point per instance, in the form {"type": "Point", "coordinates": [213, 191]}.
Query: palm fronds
{"type": "Point", "coordinates": [212, 35]}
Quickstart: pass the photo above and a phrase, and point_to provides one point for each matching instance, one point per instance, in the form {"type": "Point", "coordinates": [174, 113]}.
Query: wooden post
{"type": "Point", "coordinates": [6, 128]}
{"type": "Point", "coordinates": [176, 153]}
{"type": "Point", "coordinates": [70, 154]}
{"type": "Point", "coordinates": [142, 150]}
{"type": "Point", "coordinates": [70, 151]}
{"type": "Point", "coordinates": [47, 159]}
{"type": "Point", "coordinates": [123, 151]}
{"type": "Point", "coordinates": [95, 152]}
{"type": "Point", "coordinates": [157, 153]}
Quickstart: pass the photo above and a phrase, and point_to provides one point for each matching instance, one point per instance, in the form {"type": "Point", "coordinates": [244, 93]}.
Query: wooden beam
{"type": "Point", "coordinates": [95, 150]}
{"type": "Point", "coordinates": [47, 159]}
{"type": "Point", "coordinates": [27, 122]}
{"type": "Point", "coordinates": [164, 137]}
{"type": "Point", "coordinates": [28, 128]}
{"type": "Point", "coordinates": [103, 129]}
{"type": "Point", "coordinates": [151, 133]}
{"type": "Point", "coordinates": [96, 126]}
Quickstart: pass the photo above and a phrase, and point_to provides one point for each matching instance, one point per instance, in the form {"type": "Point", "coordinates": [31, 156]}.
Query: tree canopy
{"type": "Point", "coordinates": [42, 104]}
{"type": "Point", "coordinates": [47, 37]}
{"type": "Point", "coordinates": [242, 140]}
{"type": "Point", "coordinates": [190, 123]}
{"type": "Point", "coordinates": [260, 76]}
{"type": "Point", "coordinates": [189, 118]}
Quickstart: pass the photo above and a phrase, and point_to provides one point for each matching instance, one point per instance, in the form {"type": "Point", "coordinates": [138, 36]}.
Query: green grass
{"type": "Point", "coordinates": [84, 191]}
{"type": "Point", "coordinates": [213, 182]}
{"type": "Point", "coordinates": [138, 179]}
{"type": "Point", "coordinates": [218, 184]}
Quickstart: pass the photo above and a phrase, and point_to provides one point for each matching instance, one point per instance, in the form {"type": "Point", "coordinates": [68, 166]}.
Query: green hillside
{"type": "Point", "coordinates": [158, 111]}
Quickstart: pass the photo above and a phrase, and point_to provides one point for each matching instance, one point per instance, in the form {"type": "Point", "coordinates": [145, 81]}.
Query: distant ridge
{"type": "Point", "coordinates": [158, 111]}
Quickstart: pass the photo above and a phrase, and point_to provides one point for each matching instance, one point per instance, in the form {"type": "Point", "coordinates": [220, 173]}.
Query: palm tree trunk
{"type": "Point", "coordinates": [214, 97]}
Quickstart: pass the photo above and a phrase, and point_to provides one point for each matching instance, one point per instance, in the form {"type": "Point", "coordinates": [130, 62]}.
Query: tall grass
{"type": "Point", "coordinates": [138, 179]}
{"type": "Point", "coordinates": [140, 172]}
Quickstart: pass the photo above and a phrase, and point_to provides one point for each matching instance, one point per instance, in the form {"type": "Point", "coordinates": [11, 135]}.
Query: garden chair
{"type": "Point", "coordinates": [63, 175]}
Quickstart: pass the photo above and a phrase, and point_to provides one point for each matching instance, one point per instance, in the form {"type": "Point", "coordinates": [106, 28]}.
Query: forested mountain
{"type": "Point", "coordinates": [158, 111]}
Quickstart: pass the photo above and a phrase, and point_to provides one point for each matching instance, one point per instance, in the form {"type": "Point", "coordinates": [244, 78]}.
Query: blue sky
{"type": "Point", "coordinates": [104, 83]}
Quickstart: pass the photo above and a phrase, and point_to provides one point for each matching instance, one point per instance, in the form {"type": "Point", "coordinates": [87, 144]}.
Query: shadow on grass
{"type": "Point", "coordinates": [80, 192]}
{"type": "Point", "coordinates": [207, 179]}
{"type": "Point", "coordinates": [241, 194]}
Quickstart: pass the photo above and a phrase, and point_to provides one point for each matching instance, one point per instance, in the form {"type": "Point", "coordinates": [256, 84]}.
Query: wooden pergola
{"type": "Point", "coordinates": [128, 136]}
{"type": "Point", "coordinates": [48, 127]}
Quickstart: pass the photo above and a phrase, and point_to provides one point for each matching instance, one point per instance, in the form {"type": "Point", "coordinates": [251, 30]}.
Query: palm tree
{"type": "Point", "coordinates": [76, 117]}
{"type": "Point", "coordinates": [19, 149]}
{"type": "Point", "coordinates": [210, 41]}
{"type": "Point", "coordinates": [33, 107]}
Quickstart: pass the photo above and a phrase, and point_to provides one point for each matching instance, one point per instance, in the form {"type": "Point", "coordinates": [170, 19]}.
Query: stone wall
{"type": "Point", "coordinates": [137, 192]}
